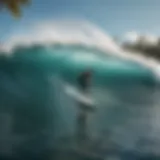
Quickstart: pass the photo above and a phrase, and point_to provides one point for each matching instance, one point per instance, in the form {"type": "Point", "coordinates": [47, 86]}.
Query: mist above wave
{"type": "Point", "coordinates": [64, 33]}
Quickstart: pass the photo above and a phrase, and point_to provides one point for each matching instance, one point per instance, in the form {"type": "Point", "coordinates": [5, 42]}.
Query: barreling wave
{"type": "Point", "coordinates": [78, 35]}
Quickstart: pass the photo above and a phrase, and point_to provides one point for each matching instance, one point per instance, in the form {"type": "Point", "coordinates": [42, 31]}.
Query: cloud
{"type": "Point", "coordinates": [133, 37]}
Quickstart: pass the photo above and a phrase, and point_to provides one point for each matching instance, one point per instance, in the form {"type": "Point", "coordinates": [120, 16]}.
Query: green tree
{"type": "Point", "coordinates": [14, 6]}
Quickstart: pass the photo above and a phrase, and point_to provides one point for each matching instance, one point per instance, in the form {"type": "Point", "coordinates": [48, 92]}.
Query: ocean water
{"type": "Point", "coordinates": [38, 118]}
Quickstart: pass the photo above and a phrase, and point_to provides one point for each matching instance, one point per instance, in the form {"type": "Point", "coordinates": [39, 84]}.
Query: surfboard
{"type": "Point", "coordinates": [78, 95]}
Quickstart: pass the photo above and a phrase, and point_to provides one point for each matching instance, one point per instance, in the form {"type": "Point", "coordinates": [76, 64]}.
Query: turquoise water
{"type": "Point", "coordinates": [37, 112]}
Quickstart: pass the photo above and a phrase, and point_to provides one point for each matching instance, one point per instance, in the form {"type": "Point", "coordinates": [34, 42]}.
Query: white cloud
{"type": "Point", "coordinates": [131, 37]}
{"type": "Point", "coordinates": [151, 39]}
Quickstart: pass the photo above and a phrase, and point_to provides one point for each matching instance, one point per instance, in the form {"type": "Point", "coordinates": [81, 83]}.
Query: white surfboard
{"type": "Point", "coordinates": [78, 95]}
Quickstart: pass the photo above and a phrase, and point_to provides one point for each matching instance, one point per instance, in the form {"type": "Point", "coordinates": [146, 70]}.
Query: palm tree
{"type": "Point", "coordinates": [14, 6]}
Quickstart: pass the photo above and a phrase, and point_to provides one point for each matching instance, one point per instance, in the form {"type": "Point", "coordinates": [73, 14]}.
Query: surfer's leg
{"type": "Point", "coordinates": [81, 135]}
{"type": "Point", "coordinates": [79, 128]}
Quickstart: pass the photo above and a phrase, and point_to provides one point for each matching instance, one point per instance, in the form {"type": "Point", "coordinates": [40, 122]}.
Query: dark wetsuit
{"type": "Point", "coordinates": [84, 83]}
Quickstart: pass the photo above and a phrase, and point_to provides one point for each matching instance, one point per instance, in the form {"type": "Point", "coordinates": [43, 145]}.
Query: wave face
{"type": "Point", "coordinates": [36, 113]}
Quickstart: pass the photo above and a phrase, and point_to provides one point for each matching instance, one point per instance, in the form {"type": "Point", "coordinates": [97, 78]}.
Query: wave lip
{"type": "Point", "coordinates": [63, 32]}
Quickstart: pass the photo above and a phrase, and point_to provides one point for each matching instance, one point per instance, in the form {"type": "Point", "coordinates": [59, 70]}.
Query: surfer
{"type": "Point", "coordinates": [84, 82]}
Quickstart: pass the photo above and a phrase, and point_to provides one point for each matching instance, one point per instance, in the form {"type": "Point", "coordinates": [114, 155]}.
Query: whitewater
{"type": "Point", "coordinates": [37, 111]}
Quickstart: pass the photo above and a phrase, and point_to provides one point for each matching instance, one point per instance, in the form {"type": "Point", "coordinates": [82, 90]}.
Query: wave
{"type": "Point", "coordinates": [79, 34]}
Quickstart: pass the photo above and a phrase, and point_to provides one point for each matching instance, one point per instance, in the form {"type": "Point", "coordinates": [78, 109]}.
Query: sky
{"type": "Point", "coordinates": [117, 17]}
